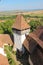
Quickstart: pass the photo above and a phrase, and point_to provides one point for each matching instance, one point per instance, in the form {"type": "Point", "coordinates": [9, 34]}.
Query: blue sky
{"type": "Point", "coordinates": [20, 4]}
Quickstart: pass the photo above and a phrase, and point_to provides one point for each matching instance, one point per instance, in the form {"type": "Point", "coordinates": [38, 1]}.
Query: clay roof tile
{"type": "Point", "coordinates": [20, 23]}
{"type": "Point", "coordinates": [5, 39]}
{"type": "Point", "coordinates": [3, 60]}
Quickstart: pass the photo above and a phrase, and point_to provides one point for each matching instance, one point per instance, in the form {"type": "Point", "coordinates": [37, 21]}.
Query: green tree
{"type": "Point", "coordinates": [6, 27]}
{"type": "Point", "coordinates": [1, 29]}
{"type": "Point", "coordinates": [34, 24]}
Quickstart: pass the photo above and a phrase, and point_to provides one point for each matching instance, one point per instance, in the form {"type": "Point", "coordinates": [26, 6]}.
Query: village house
{"type": "Point", "coordinates": [4, 40]}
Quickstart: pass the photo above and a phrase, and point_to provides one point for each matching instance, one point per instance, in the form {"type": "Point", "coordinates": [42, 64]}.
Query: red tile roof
{"type": "Point", "coordinates": [20, 23]}
{"type": "Point", "coordinates": [3, 60]}
{"type": "Point", "coordinates": [5, 39]}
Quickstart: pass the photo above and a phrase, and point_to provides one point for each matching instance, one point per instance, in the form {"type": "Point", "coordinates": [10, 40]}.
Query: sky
{"type": "Point", "coordinates": [6, 5]}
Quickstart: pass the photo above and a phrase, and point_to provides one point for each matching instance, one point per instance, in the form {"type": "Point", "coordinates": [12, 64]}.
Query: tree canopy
{"type": "Point", "coordinates": [34, 24]}
{"type": "Point", "coordinates": [6, 27]}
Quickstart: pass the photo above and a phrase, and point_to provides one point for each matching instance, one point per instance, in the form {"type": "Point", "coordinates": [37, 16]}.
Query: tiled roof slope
{"type": "Point", "coordinates": [3, 60]}
{"type": "Point", "coordinates": [33, 39]}
{"type": "Point", "coordinates": [37, 35]}
{"type": "Point", "coordinates": [30, 46]}
{"type": "Point", "coordinates": [5, 39]}
{"type": "Point", "coordinates": [20, 23]}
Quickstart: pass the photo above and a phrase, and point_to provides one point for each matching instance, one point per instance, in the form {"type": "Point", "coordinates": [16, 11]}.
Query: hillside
{"type": "Point", "coordinates": [9, 13]}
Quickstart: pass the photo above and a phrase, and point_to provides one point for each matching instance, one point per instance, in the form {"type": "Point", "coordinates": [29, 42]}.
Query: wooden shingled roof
{"type": "Point", "coordinates": [20, 23]}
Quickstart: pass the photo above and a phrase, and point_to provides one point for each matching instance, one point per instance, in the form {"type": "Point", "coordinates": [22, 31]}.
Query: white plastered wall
{"type": "Point", "coordinates": [19, 39]}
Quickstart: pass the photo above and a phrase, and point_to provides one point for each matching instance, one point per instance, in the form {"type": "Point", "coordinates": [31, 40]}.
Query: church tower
{"type": "Point", "coordinates": [20, 30]}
